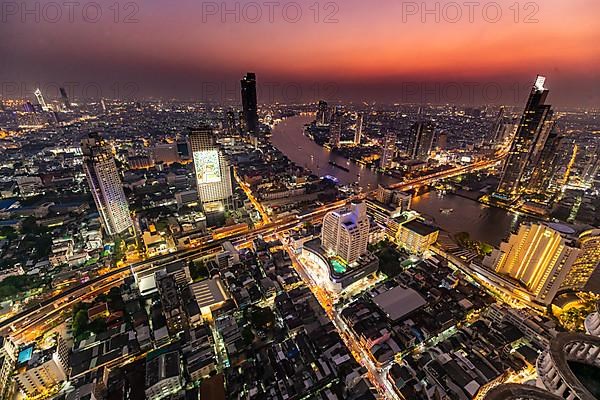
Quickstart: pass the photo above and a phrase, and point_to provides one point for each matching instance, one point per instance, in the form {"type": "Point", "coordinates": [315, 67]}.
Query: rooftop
{"type": "Point", "coordinates": [399, 301]}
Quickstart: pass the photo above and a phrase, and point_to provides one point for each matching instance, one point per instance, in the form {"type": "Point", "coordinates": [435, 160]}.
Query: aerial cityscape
{"type": "Point", "coordinates": [293, 201]}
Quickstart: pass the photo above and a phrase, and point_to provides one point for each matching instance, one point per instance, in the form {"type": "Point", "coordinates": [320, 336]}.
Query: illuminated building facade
{"type": "Point", "coordinates": [213, 175]}
{"type": "Point", "coordinates": [345, 232]}
{"type": "Point", "coordinates": [538, 256]}
{"type": "Point", "coordinates": [388, 150]}
{"type": "Point", "coordinates": [416, 236]}
{"type": "Point", "coordinates": [40, 369]}
{"type": "Point", "coordinates": [250, 103]}
{"type": "Point", "coordinates": [336, 128]}
{"type": "Point", "coordinates": [358, 129]}
{"type": "Point", "coordinates": [105, 185]}
{"type": "Point", "coordinates": [528, 143]}
{"type": "Point", "coordinates": [587, 261]}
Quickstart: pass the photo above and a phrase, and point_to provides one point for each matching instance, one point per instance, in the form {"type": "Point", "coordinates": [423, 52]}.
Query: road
{"type": "Point", "coordinates": [30, 323]}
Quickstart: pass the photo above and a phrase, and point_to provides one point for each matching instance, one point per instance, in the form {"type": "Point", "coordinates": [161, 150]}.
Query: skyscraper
{"type": "Point", "coordinates": [249, 103]}
{"type": "Point", "coordinates": [538, 256]}
{"type": "Point", "coordinates": [213, 174]}
{"type": "Point", "coordinates": [105, 185]}
{"type": "Point", "coordinates": [40, 99]}
{"type": "Point", "coordinates": [322, 117]}
{"type": "Point", "coordinates": [421, 139]}
{"type": "Point", "coordinates": [358, 129]}
{"type": "Point", "coordinates": [587, 262]}
{"type": "Point", "coordinates": [65, 99]}
{"type": "Point", "coordinates": [345, 232]}
{"type": "Point", "coordinates": [552, 168]}
{"type": "Point", "coordinates": [529, 140]}
{"type": "Point", "coordinates": [388, 150]}
{"type": "Point", "coordinates": [335, 128]}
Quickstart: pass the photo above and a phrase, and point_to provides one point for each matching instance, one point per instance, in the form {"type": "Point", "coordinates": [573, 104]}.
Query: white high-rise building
{"type": "Point", "coordinates": [345, 232]}
{"type": "Point", "coordinates": [40, 99]}
{"type": "Point", "coordinates": [105, 185]}
{"type": "Point", "coordinates": [213, 175]}
{"type": "Point", "coordinates": [538, 256]}
{"type": "Point", "coordinates": [40, 370]}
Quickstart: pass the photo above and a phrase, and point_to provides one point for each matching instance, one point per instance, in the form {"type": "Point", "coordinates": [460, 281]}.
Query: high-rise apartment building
{"type": "Point", "coordinates": [358, 129]}
{"type": "Point", "coordinates": [345, 232]}
{"type": "Point", "coordinates": [105, 185]}
{"type": "Point", "coordinates": [586, 263]}
{"type": "Point", "coordinates": [388, 150]}
{"type": "Point", "coordinates": [538, 256]}
{"type": "Point", "coordinates": [38, 370]}
{"type": "Point", "coordinates": [527, 145]}
{"type": "Point", "coordinates": [250, 103]}
{"type": "Point", "coordinates": [335, 128]}
{"type": "Point", "coordinates": [213, 173]}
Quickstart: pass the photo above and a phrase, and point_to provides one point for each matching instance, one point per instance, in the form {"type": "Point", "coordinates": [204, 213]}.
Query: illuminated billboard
{"type": "Point", "coordinates": [208, 169]}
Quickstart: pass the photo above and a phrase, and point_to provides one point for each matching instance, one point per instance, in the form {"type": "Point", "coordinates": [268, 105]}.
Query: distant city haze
{"type": "Point", "coordinates": [352, 50]}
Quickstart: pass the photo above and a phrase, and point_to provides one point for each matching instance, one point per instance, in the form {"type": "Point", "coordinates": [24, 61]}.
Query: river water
{"type": "Point", "coordinates": [488, 224]}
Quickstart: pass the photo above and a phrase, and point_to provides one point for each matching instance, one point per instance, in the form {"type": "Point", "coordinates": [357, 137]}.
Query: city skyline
{"type": "Point", "coordinates": [376, 53]}
{"type": "Point", "coordinates": [288, 201]}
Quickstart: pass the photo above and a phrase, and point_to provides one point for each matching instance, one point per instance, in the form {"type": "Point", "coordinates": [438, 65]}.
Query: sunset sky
{"type": "Point", "coordinates": [372, 53]}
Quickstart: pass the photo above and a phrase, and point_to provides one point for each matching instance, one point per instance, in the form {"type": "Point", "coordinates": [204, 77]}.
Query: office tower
{"type": "Point", "coordinates": [105, 185]}
{"type": "Point", "coordinates": [345, 232]}
{"type": "Point", "coordinates": [322, 113]}
{"type": "Point", "coordinates": [388, 150]}
{"type": "Point", "coordinates": [28, 107]}
{"type": "Point", "coordinates": [65, 99]}
{"type": "Point", "coordinates": [586, 263]}
{"type": "Point", "coordinates": [213, 175]}
{"type": "Point", "coordinates": [103, 103]}
{"type": "Point", "coordinates": [40, 99]}
{"type": "Point", "coordinates": [231, 123]}
{"type": "Point", "coordinates": [551, 171]}
{"type": "Point", "coordinates": [249, 103]}
{"type": "Point", "coordinates": [358, 129]}
{"type": "Point", "coordinates": [529, 140]}
{"type": "Point", "coordinates": [538, 256]}
{"type": "Point", "coordinates": [335, 128]}
{"type": "Point", "coordinates": [421, 140]}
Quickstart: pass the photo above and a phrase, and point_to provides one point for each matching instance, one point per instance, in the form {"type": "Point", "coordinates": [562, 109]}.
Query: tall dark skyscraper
{"type": "Point", "coordinates": [65, 99]}
{"type": "Point", "coordinates": [249, 103]}
{"type": "Point", "coordinates": [322, 117]}
{"type": "Point", "coordinates": [421, 140]}
{"type": "Point", "coordinates": [551, 170]}
{"type": "Point", "coordinates": [528, 143]}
